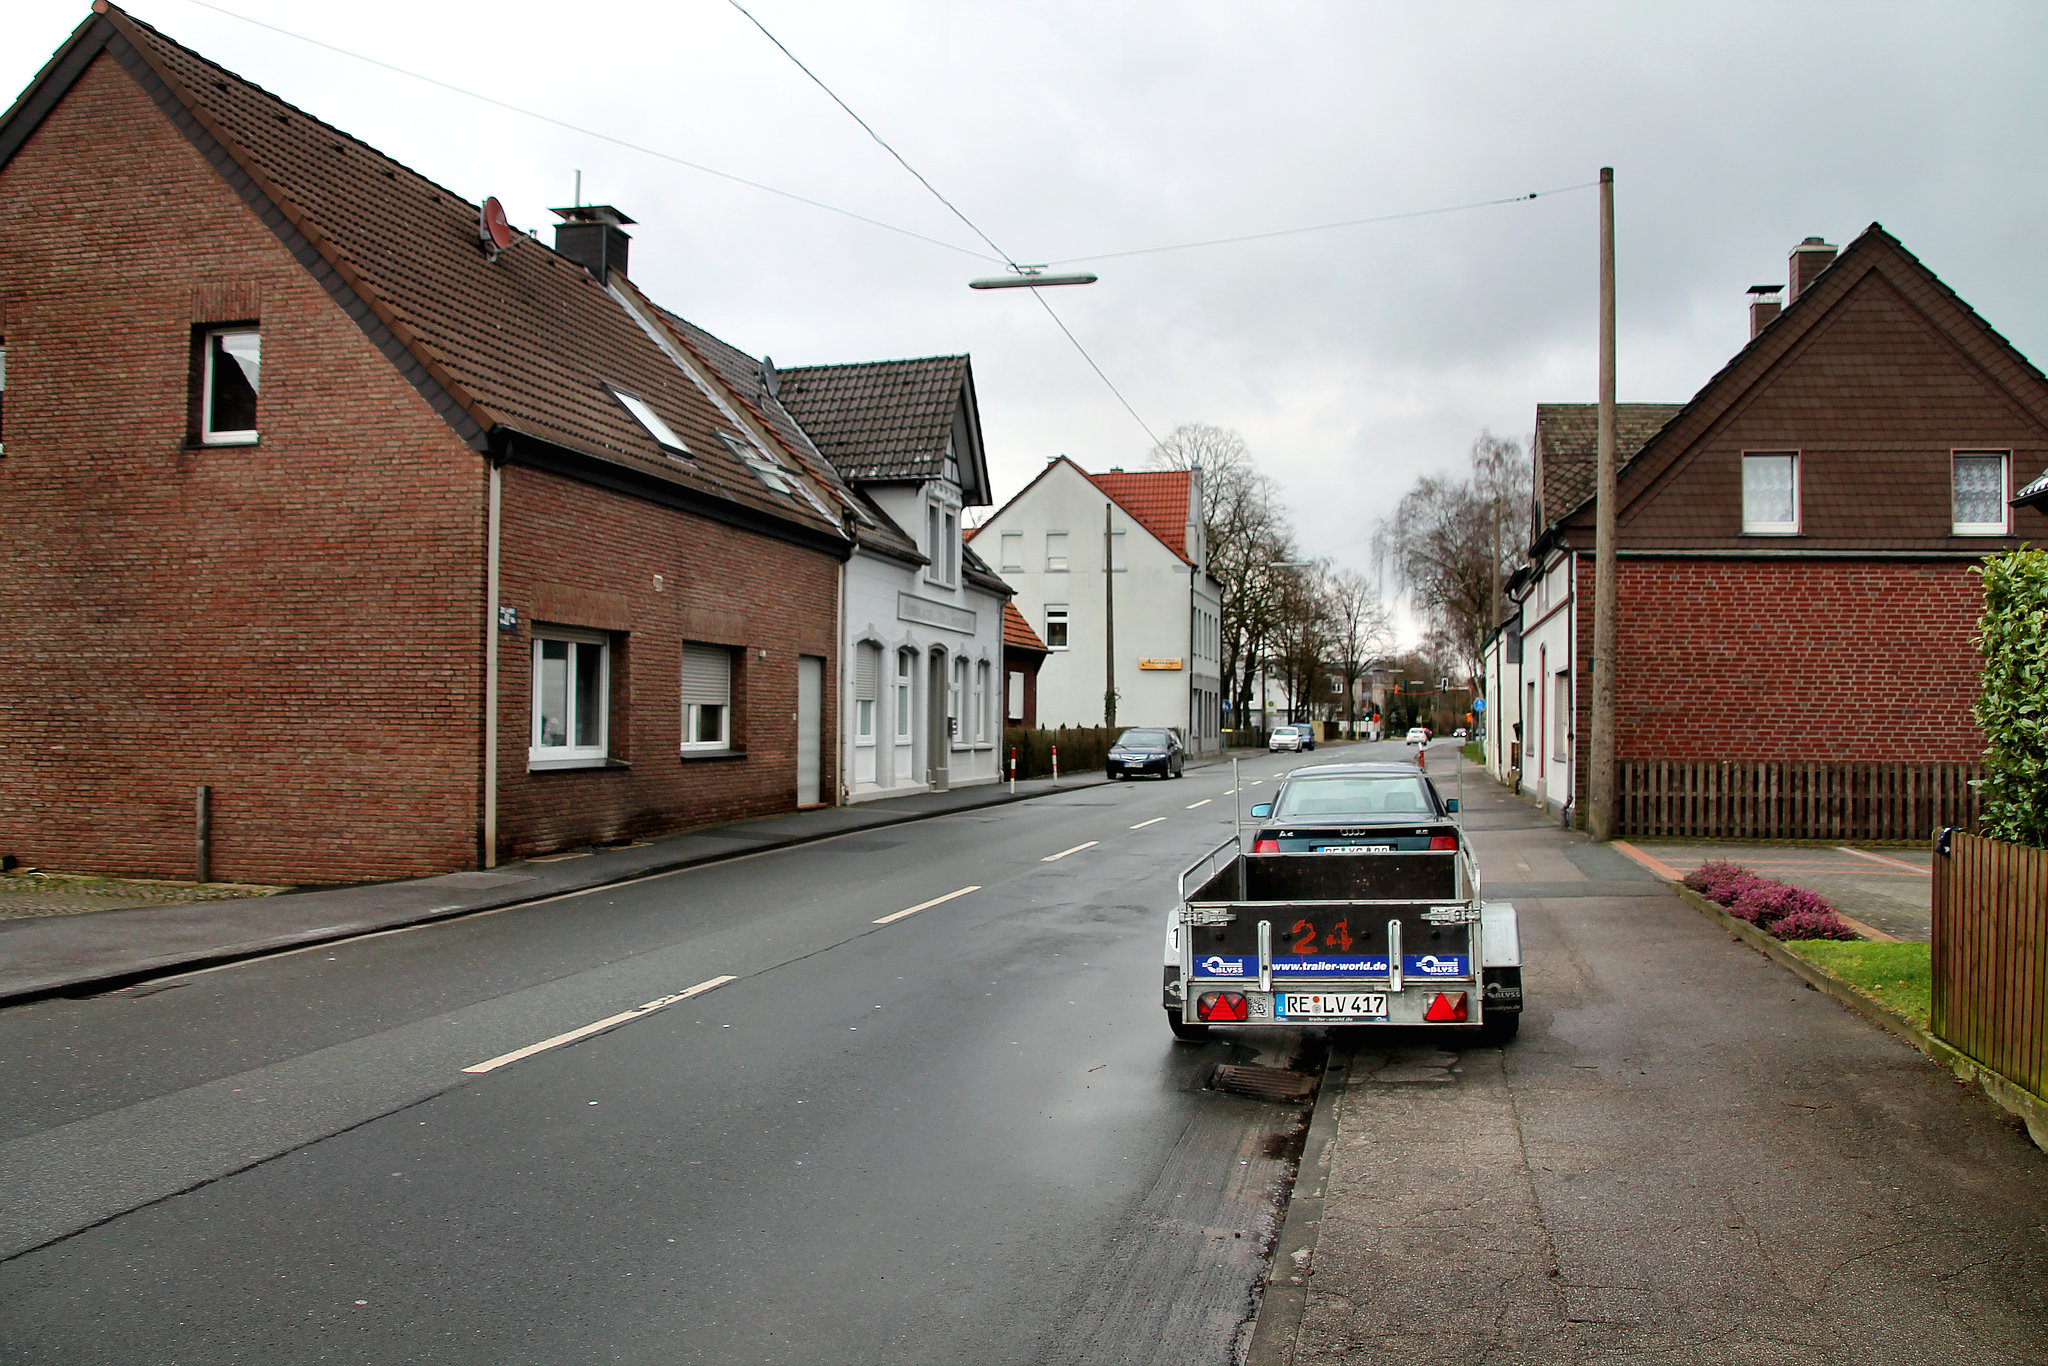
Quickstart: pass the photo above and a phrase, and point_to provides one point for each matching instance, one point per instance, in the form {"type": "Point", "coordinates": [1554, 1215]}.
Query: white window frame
{"type": "Point", "coordinates": [864, 706]}
{"type": "Point", "coordinates": [2001, 527]}
{"type": "Point", "coordinates": [1752, 527]}
{"type": "Point", "coordinates": [956, 702]}
{"type": "Point", "coordinates": [1053, 610]}
{"type": "Point", "coordinates": [1012, 546]}
{"type": "Point", "coordinates": [692, 712]}
{"type": "Point", "coordinates": [942, 534]}
{"type": "Point", "coordinates": [570, 755]}
{"type": "Point", "coordinates": [208, 436]}
{"type": "Point", "coordinates": [642, 412]}
{"type": "Point", "coordinates": [1117, 564]}
{"type": "Point", "coordinates": [906, 671]}
{"type": "Point", "coordinates": [1561, 728]}
{"type": "Point", "coordinates": [1013, 696]}
{"type": "Point", "coordinates": [984, 702]}
{"type": "Point", "coordinates": [1055, 541]}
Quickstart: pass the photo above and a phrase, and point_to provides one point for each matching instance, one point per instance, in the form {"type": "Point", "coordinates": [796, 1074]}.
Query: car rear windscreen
{"type": "Point", "coordinates": [1376, 797]}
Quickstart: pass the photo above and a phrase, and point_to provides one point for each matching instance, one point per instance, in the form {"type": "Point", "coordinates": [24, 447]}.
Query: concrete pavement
{"type": "Point", "coordinates": [103, 949]}
{"type": "Point", "coordinates": [1888, 889]}
{"type": "Point", "coordinates": [1688, 1156]}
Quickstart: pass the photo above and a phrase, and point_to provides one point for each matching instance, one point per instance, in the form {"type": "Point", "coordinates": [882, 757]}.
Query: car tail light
{"type": "Point", "coordinates": [1447, 1008]}
{"type": "Point", "coordinates": [1229, 1007]}
{"type": "Point", "coordinates": [1443, 842]}
{"type": "Point", "coordinates": [1265, 846]}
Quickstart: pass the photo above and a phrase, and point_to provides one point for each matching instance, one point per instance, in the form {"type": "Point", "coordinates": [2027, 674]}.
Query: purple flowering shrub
{"type": "Point", "coordinates": [1812, 924]}
{"type": "Point", "coordinates": [1773, 907]}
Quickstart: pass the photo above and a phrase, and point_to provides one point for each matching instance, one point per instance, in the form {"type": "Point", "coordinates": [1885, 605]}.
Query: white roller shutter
{"type": "Point", "coordinates": [707, 675]}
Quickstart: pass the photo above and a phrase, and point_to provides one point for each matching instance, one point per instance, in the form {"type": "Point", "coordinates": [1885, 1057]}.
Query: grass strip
{"type": "Point", "coordinates": [1899, 977]}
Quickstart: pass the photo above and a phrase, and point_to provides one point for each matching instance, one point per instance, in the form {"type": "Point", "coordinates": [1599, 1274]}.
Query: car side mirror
{"type": "Point", "coordinates": [1262, 810]}
{"type": "Point", "coordinates": [1451, 805]}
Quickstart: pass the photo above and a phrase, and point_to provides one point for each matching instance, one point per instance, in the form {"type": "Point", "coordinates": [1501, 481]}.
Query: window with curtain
{"type": "Point", "coordinates": [867, 682]}
{"type": "Point", "coordinates": [1770, 493]}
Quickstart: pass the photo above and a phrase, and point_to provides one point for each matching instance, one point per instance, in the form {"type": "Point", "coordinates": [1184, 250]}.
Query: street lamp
{"type": "Point", "coordinates": [1033, 277]}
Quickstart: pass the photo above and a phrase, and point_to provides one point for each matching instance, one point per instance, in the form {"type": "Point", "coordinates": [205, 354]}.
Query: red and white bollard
{"type": "Point", "coordinates": [1055, 765]}
{"type": "Point", "coordinates": [1013, 770]}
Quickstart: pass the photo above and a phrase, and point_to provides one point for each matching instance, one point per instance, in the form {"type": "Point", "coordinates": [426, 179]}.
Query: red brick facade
{"type": "Point", "coordinates": [300, 623]}
{"type": "Point", "coordinates": [1837, 661]}
{"type": "Point", "coordinates": [294, 623]}
{"type": "Point", "coordinates": [577, 556]}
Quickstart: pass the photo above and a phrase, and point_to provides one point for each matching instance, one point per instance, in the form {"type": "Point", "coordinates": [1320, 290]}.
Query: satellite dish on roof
{"type": "Point", "coordinates": [771, 379]}
{"type": "Point", "coordinates": [491, 228]}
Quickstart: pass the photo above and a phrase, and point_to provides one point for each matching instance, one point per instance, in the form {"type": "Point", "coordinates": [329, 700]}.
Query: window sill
{"type": "Point", "coordinates": [1982, 530]}
{"type": "Point", "coordinates": [217, 442]}
{"type": "Point", "coordinates": [568, 765]}
{"type": "Point", "coordinates": [1770, 531]}
{"type": "Point", "coordinates": [692, 755]}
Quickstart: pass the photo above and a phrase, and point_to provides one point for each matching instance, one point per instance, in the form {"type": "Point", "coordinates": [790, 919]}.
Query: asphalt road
{"type": "Point", "coordinates": [799, 1134]}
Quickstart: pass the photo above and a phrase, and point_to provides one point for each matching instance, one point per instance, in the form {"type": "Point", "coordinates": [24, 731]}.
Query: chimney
{"type": "Point", "coordinates": [589, 235]}
{"type": "Point", "coordinates": [1765, 303]}
{"type": "Point", "coordinates": [1809, 259]}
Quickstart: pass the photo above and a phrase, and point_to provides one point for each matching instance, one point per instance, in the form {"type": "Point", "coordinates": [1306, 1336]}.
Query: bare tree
{"type": "Point", "coordinates": [1247, 534]}
{"type": "Point", "coordinates": [1360, 633]}
{"type": "Point", "coordinates": [1454, 541]}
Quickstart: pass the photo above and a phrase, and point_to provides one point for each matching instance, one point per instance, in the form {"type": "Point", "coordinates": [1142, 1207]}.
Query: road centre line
{"type": "Point", "coordinates": [1204, 802]}
{"type": "Point", "coordinates": [571, 1036]}
{"type": "Point", "coordinates": [1054, 858]}
{"type": "Point", "coordinates": [1142, 824]}
{"type": "Point", "coordinates": [1880, 858]}
{"type": "Point", "coordinates": [926, 905]}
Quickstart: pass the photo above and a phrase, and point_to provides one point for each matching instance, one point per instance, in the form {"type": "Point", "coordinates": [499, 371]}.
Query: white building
{"type": "Point", "coordinates": [1096, 556]}
{"type": "Point", "coordinates": [923, 616]}
{"type": "Point", "coordinates": [898, 444]}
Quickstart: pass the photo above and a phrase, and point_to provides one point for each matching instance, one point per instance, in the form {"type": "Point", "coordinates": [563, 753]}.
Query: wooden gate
{"type": "Point", "coordinates": [1991, 955]}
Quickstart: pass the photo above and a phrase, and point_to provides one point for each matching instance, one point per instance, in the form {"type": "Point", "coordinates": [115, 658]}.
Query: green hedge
{"type": "Point", "coordinates": [2012, 710]}
{"type": "Point", "coordinates": [1082, 749]}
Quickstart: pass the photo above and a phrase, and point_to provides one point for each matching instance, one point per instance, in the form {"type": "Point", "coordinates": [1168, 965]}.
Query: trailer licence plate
{"type": "Point", "coordinates": [1331, 1005]}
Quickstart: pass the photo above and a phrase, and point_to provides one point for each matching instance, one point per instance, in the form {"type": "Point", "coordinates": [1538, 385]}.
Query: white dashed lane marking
{"type": "Point", "coordinates": [1054, 858]}
{"type": "Point", "coordinates": [571, 1036]}
{"type": "Point", "coordinates": [926, 905]}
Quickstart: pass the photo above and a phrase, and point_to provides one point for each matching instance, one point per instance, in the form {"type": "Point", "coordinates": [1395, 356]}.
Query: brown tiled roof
{"type": "Point", "coordinates": [1568, 447]}
{"type": "Point", "coordinates": [1157, 500]}
{"type": "Point", "coordinates": [522, 345]}
{"type": "Point", "coordinates": [745, 377]}
{"type": "Point", "coordinates": [1017, 632]}
{"type": "Point", "coordinates": [885, 419]}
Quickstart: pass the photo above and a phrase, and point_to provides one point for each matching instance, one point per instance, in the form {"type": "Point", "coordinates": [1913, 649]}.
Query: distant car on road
{"type": "Point", "coordinates": [1418, 735]}
{"type": "Point", "coordinates": [1458, 734]}
{"type": "Point", "coordinates": [1296, 738]}
{"type": "Point", "coordinates": [1355, 809]}
{"type": "Point", "coordinates": [1146, 749]}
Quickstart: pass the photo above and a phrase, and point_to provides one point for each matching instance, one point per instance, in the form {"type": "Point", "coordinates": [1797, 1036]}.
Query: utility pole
{"type": "Point", "coordinates": [1600, 778]}
{"type": "Point", "coordinates": [1108, 622]}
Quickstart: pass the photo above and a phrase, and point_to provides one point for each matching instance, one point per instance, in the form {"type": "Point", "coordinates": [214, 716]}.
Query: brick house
{"type": "Point", "coordinates": [1023, 654]}
{"type": "Point", "coordinates": [1795, 546]}
{"type": "Point", "coordinates": [419, 546]}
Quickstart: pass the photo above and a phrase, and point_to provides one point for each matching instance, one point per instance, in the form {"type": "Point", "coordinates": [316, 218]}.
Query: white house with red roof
{"type": "Point", "coordinates": [1111, 570]}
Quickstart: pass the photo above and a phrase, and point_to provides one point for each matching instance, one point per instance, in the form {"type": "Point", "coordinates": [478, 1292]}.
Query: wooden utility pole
{"type": "Point", "coordinates": [1600, 763]}
{"type": "Point", "coordinates": [1108, 620]}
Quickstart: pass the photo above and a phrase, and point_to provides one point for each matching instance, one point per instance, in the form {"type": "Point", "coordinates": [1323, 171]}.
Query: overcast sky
{"type": "Point", "coordinates": [1351, 361]}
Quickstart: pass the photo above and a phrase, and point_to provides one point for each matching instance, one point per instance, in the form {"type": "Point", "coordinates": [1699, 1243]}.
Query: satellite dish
{"type": "Point", "coordinates": [771, 380]}
{"type": "Point", "coordinates": [491, 228]}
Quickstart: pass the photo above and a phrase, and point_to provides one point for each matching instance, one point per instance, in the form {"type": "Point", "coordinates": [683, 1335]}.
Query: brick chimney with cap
{"type": "Point", "coordinates": [591, 236]}
{"type": "Point", "coordinates": [1765, 303]}
{"type": "Point", "coordinates": [1809, 259]}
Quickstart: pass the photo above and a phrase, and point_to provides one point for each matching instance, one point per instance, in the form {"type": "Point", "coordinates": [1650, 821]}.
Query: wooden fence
{"type": "Point", "coordinates": [1789, 800]}
{"type": "Point", "coordinates": [1991, 955]}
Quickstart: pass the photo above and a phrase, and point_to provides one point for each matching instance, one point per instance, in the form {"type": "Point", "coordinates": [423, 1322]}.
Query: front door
{"type": "Point", "coordinates": [939, 731]}
{"type": "Point", "coordinates": [810, 729]}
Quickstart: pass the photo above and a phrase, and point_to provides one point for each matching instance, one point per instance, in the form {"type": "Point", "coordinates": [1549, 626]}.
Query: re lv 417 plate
{"type": "Point", "coordinates": [1329, 1005]}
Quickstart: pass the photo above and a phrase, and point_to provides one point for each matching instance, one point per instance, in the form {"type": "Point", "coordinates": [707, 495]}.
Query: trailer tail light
{"type": "Point", "coordinates": [1265, 846]}
{"type": "Point", "coordinates": [1447, 1008]}
{"type": "Point", "coordinates": [1229, 1007]}
{"type": "Point", "coordinates": [1437, 842]}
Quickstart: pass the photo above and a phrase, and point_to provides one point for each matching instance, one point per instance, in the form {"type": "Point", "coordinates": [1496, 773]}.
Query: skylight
{"type": "Point", "coordinates": [651, 420]}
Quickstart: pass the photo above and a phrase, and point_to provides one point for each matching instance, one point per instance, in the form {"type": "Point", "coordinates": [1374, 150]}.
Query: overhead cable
{"type": "Point", "coordinates": [607, 137]}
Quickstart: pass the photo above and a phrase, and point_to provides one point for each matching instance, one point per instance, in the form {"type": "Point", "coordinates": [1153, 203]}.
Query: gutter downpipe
{"type": "Point", "coordinates": [490, 774]}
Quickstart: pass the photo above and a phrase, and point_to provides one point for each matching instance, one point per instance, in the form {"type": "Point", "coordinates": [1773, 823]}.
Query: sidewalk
{"type": "Point", "coordinates": [66, 953]}
{"type": "Point", "coordinates": [1887, 889]}
{"type": "Point", "coordinates": [1687, 1155]}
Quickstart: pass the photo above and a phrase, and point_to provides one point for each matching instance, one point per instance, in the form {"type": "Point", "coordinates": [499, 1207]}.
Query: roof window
{"type": "Point", "coordinates": [662, 433]}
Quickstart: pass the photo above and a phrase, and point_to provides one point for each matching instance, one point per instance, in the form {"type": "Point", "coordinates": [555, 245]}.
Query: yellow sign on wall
{"type": "Point", "coordinates": [1156, 663]}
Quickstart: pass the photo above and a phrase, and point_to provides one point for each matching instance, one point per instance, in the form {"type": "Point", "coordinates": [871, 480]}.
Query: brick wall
{"type": "Point", "coordinates": [1831, 660]}
{"type": "Point", "coordinates": [572, 555]}
{"type": "Point", "coordinates": [296, 622]}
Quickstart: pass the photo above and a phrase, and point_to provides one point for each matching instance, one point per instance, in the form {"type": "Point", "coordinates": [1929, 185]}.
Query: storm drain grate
{"type": "Point", "coordinates": [1263, 1083]}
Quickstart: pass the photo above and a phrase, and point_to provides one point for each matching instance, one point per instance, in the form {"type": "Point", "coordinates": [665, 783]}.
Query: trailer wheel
{"type": "Point", "coordinates": [1188, 1033]}
{"type": "Point", "coordinates": [1496, 1030]}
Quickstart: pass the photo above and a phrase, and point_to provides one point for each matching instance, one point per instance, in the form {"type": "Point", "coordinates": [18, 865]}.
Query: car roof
{"type": "Point", "coordinates": [1353, 770]}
